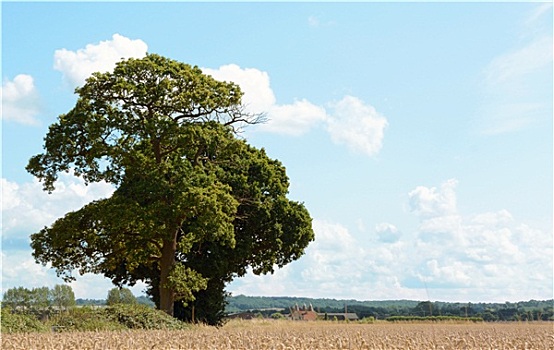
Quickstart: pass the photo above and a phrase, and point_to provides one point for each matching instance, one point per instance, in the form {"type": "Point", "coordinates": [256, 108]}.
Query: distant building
{"type": "Point", "coordinates": [308, 314]}
{"type": "Point", "coordinates": [303, 314]}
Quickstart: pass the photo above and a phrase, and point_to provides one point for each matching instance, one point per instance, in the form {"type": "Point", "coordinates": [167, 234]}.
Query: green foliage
{"type": "Point", "coordinates": [142, 317]}
{"type": "Point", "coordinates": [16, 298]}
{"type": "Point", "coordinates": [20, 323]}
{"type": "Point", "coordinates": [112, 318]}
{"type": "Point", "coordinates": [62, 296]}
{"type": "Point", "coordinates": [41, 298]}
{"type": "Point", "coordinates": [269, 230]}
{"type": "Point", "coordinates": [277, 316]}
{"type": "Point", "coordinates": [424, 308]}
{"type": "Point", "coordinates": [208, 306]}
{"type": "Point", "coordinates": [83, 319]}
{"type": "Point", "coordinates": [184, 282]}
{"type": "Point", "coordinates": [120, 296]}
{"type": "Point", "coordinates": [20, 298]}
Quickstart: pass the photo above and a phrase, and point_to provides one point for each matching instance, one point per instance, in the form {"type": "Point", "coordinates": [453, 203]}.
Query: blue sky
{"type": "Point", "coordinates": [419, 135]}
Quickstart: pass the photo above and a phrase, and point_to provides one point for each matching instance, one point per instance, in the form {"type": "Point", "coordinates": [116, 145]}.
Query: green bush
{"type": "Point", "coordinates": [83, 319]}
{"type": "Point", "coordinates": [20, 323]}
{"type": "Point", "coordinates": [367, 320]}
{"type": "Point", "coordinates": [112, 318]}
{"type": "Point", "coordinates": [142, 317]}
{"type": "Point", "coordinates": [277, 316]}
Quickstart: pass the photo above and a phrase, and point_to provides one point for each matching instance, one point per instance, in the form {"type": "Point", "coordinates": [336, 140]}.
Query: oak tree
{"type": "Point", "coordinates": [163, 134]}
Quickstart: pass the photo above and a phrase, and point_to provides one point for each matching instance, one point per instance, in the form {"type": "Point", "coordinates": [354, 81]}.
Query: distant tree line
{"type": "Point", "coordinates": [521, 311]}
{"type": "Point", "coordinates": [62, 297]}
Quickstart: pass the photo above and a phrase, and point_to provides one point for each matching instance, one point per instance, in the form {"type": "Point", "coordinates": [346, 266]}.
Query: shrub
{"type": "Point", "coordinates": [142, 317]}
{"type": "Point", "coordinates": [112, 318]}
{"type": "Point", "coordinates": [277, 316]}
{"type": "Point", "coordinates": [20, 323]}
{"type": "Point", "coordinates": [83, 319]}
{"type": "Point", "coordinates": [367, 320]}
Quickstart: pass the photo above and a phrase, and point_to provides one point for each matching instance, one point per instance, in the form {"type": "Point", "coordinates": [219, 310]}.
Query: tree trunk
{"type": "Point", "coordinates": [167, 261]}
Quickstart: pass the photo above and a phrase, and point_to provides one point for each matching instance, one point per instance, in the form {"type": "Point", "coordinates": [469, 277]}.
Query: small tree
{"type": "Point", "coordinates": [63, 296]}
{"type": "Point", "coordinates": [17, 298]}
{"type": "Point", "coordinates": [120, 296]}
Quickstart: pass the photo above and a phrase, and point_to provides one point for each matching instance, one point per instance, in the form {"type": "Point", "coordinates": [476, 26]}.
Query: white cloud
{"type": "Point", "coordinates": [352, 122]}
{"type": "Point", "coordinates": [484, 253]}
{"type": "Point", "coordinates": [488, 256]}
{"type": "Point", "coordinates": [290, 119]}
{"type": "Point", "coordinates": [26, 208]}
{"type": "Point", "coordinates": [333, 256]}
{"type": "Point", "coordinates": [77, 66]}
{"type": "Point", "coordinates": [492, 219]}
{"type": "Point", "coordinates": [357, 125]}
{"type": "Point", "coordinates": [20, 100]}
{"type": "Point", "coordinates": [432, 202]}
{"type": "Point", "coordinates": [294, 119]}
{"type": "Point", "coordinates": [19, 269]}
{"type": "Point", "coordinates": [258, 96]}
{"type": "Point", "coordinates": [387, 233]}
{"type": "Point", "coordinates": [454, 274]}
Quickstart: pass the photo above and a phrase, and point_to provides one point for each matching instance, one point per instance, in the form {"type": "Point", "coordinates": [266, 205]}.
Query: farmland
{"type": "Point", "coordinates": [267, 334]}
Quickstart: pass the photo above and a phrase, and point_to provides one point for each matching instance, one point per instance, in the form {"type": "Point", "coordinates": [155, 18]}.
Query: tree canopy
{"type": "Point", "coordinates": [120, 296]}
{"type": "Point", "coordinates": [194, 205]}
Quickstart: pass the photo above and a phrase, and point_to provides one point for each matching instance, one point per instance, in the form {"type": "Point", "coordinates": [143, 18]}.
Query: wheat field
{"type": "Point", "coordinates": [283, 335]}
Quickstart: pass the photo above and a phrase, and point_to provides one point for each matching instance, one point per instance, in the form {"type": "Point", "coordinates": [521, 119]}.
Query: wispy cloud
{"type": "Point", "coordinates": [514, 82]}
{"type": "Point", "coordinates": [20, 100]}
{"type": "Point", "coordinates": [537, 14]}
{"type": "Point", "coordinates": [508, 71]}
{"type": "Point", "coordinates": [77, 66]}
